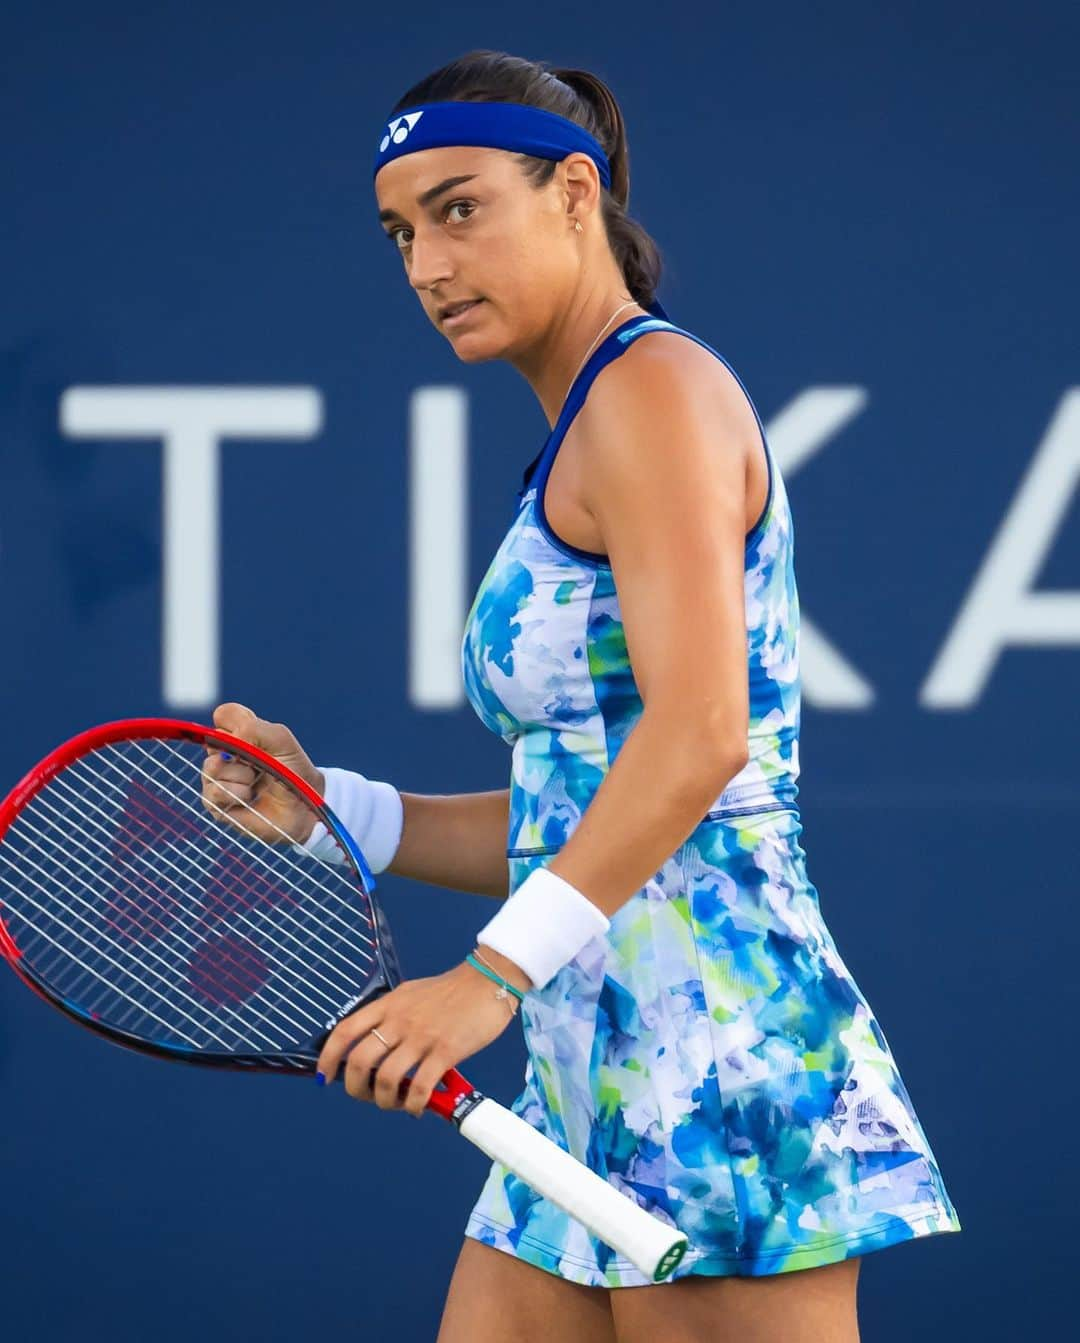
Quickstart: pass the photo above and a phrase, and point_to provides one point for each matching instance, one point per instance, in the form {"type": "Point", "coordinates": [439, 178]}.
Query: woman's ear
{"type": "Point", "coordinates": [581, 183]}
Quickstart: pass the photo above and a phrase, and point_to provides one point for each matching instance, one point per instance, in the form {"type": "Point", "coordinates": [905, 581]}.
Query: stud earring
{"type": "Point", "coordinates": [577, 225]}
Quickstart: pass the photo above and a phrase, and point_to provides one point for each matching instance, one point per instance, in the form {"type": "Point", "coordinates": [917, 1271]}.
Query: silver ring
{"type": "Point", "coordinates": [381, 1038]}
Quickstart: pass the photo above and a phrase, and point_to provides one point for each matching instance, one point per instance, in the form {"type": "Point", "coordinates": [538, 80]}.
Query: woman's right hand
{"type": "Point", "coordinates": [241, 795]}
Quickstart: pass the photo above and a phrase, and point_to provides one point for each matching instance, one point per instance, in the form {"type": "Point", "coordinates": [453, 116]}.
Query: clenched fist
{"type": "Point", "coordinates": [244, 796]}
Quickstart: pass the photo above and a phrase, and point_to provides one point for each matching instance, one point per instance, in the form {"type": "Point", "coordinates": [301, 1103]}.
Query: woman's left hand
{"type": "Point", "coordinates": [430, 1024]}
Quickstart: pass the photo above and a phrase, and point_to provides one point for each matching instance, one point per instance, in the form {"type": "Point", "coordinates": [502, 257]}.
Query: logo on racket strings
{"type": "Point", "coordinates": [398, 130]}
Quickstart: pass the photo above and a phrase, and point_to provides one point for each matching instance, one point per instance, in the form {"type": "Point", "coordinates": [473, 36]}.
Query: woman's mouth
{"type": "Point", "coordinates": [459, 312]}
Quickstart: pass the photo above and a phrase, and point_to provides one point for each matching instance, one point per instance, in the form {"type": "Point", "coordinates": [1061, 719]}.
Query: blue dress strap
{"type": "Point", "coordinates": [606, 351]}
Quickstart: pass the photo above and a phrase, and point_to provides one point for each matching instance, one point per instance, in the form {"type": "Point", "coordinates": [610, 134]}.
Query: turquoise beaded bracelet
{"type": "Point", "coordinates": [495, 978]}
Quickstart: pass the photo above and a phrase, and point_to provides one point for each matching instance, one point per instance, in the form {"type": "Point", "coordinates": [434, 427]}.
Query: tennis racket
{"type": "Point", "coordinates": [149, 917]}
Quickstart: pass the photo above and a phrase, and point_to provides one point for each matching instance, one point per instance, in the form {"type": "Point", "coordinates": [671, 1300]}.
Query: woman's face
{"type": "Point", "coordinates": [468, 225]}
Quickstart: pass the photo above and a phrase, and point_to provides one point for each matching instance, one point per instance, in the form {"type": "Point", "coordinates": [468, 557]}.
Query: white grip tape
{"type": "Point", "coordinates": [650, 1244]}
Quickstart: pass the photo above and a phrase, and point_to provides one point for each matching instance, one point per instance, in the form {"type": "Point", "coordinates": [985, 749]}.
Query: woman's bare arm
{"type": "Point", "coordinates": [666, 441]}
{"type": "Point", "coordinates": [458, 841]}
{"type": "Point", "coordinates": [665, 438]}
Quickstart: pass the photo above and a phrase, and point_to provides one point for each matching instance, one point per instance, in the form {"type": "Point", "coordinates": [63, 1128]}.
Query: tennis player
{"type": "Point", "coordinates": [693, 1034]}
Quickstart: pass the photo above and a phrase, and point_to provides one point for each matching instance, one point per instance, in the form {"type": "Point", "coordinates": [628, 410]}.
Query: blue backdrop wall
{"type": "Point", "coordinates": [871, 211]}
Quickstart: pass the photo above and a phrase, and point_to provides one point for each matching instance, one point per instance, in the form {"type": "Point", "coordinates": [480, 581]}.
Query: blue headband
{"type": "Point", "coordinates": [528, 130]}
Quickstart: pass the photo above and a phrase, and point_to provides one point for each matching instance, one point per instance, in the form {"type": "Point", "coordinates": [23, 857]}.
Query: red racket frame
{"type": "Point", "coordinates": [452, 1103]}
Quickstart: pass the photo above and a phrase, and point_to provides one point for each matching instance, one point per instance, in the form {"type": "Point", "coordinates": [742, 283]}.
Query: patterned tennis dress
{"type": "Point", "coordinates": [711, 1056]}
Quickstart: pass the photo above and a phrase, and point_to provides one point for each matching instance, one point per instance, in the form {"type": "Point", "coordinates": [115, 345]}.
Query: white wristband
{"type": "Point", "coordinates": [371, 812]}
{"type": "Point", "coordinates": [543, 925]}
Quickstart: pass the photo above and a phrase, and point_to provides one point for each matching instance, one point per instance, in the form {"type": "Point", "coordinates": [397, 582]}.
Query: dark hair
{"type": "Point", "coordinates": [497, 77]}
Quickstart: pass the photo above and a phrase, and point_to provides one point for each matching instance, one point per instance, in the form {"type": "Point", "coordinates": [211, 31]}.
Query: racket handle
{"type": "Point", "coordinates": [650, 1244]}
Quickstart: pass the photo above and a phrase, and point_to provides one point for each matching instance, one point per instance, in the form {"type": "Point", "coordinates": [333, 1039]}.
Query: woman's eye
{"type": "Point", "coordinates": [397, 237]}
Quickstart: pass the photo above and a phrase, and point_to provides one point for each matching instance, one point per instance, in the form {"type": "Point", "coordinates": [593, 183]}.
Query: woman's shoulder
{"type": "Point", "coordinates": [662, 376]}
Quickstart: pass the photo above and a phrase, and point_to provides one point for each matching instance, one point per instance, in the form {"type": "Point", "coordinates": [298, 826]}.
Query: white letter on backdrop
{"type": "Point", "coordinates": [191, 422]}
{"type": "Point", "coordinates": [1002, 609]}
{"type": "Point", "coordinates": [438, 550]}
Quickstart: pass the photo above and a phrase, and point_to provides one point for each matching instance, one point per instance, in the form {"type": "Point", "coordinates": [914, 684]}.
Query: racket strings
{"type": "Point", "coordinates": [275, 863]}
{"type": "Point", "coordinates": [141, 961]}
{"type": "Point", "coordinates": [283, 864]}
{"type": "Point", "coordinates": [208, 877]}
{"type": "Point", "coordinates": [68, 954]}
{"type": "Point", "coordinates": [248, 859]}
{"type": "Point", "coordinates": [161, 912]}
{"type": "Point", "coordinates": [111, 984]}
{"type": "Point", "coordinates": [334, 892]}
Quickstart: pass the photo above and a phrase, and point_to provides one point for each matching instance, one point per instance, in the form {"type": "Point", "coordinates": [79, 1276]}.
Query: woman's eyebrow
{"type": "Point", "coordinates": [429, 195]}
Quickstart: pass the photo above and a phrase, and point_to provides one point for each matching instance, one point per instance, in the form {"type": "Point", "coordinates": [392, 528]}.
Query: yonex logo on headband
{"type": "Point", "coordinates": [398, 130]}
{"type": "Point", "coordinates": [513, 126]}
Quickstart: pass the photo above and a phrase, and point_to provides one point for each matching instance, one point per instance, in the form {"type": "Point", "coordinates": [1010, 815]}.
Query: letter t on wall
{"type": "Point", "coordinates": [191, 422]}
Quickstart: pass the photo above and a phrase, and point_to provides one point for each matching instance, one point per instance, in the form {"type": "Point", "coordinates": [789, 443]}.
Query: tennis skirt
{"type": "Point", "coordinates": [713, 1059]}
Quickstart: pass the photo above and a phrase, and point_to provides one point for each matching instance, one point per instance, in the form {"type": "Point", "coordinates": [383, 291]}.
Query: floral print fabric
{"type": "Point", "coordinates": [712, 1056]}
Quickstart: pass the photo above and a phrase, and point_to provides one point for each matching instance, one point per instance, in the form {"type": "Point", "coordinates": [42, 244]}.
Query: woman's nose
{"type": "Point", "coordinates": [429, 263]}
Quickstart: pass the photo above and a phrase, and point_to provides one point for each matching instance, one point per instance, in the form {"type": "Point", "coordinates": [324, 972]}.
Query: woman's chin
{"type": "Point", "coordinates": [473, 348]}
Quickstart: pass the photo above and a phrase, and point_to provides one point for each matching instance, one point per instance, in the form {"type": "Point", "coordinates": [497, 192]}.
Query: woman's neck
{"type": "Point", "coordinates": [552, 366]}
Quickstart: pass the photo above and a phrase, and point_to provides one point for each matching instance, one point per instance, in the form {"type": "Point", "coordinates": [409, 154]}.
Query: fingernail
{"type": "Point", "coordinates": [225, 755]}
{"type": "Point", "coordinates": [320, 1079]}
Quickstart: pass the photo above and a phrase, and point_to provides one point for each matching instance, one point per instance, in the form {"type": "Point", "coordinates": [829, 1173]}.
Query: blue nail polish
{"type": "Point", "coordinates": [225, 755]}
{"type": "Point", "coordinates": [320, 1079]}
